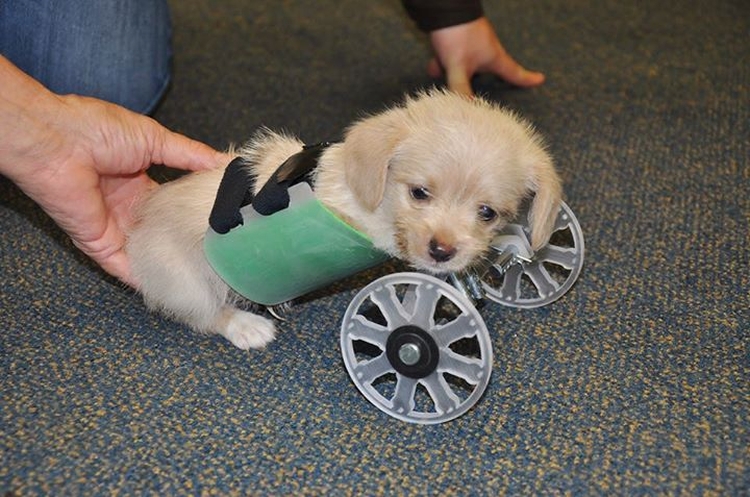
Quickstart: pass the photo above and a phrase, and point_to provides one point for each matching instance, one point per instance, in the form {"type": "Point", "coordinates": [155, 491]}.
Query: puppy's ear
{"type": "Point", "coordinates": [369, 146]}
{"type": "Point", "coordinates": [546, 204]}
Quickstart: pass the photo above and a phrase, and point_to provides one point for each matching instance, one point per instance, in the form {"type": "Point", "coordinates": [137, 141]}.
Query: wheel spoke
{"type": "Point", "coordinates": [464, 326]}
{"type": "Point", "coordinates": [442, 395]}
{"type": "Point", "coordinates": [369, 371]}
{"type": "Point", "coordinates": [427, 296]}
{"type": "Point", "coordinates": [541, 279]}
{"type": "Point", "coordinates": [410, 299]}
{"type": "Point", "coordinates": [511, 288]}
{"type": "Point", "coordinates": [403, 398]}
{"type": "Point", "coordinates": [470, 369]}
{"type": "Point", "coordinates": [360, 328]}
{"type": "Point", "coordinates": [566, 257]}
{"type": "Point", "coordinates": [386, 299]}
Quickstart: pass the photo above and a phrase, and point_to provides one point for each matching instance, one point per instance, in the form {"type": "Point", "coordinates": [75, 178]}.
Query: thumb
{"type": "Point", "coordinates": [506, 67]}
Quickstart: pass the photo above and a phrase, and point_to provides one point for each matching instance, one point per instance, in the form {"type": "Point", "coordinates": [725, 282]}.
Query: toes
{"type": "Point", "coordinates": [249, 331]}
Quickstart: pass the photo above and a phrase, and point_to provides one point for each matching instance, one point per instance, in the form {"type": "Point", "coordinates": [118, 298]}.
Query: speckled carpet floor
{"type": "Point", "coordinates": [637, 382]}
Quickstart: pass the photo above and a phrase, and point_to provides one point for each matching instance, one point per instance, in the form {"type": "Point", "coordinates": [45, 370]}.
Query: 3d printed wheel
{"type": "Point", "coordinates": [522, 278]}
{"type": "Point", "coordinates": [416, 348]}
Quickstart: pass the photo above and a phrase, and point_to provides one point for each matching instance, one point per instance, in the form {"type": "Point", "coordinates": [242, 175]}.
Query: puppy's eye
{"type": "Point", "coordinates": [486, 213]}
{"type": "Point", "coordinates": [419, 193]}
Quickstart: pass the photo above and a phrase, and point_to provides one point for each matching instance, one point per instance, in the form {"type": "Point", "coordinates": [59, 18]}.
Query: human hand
{"type": "Point", "coordinates": [84, 162]}
{"type": "Point", "coordinates": [463, 50]}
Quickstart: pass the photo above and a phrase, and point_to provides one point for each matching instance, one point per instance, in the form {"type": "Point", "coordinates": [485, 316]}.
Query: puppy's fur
{"type": "Point", "coordinates": [429, 181]}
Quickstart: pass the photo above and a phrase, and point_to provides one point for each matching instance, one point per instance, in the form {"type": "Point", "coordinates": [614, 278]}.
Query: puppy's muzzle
{"type": "Point", "coordinates": [441, 252]}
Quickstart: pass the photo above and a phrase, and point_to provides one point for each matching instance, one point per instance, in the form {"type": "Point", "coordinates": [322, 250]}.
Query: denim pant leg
{"type": "Point", "coordinates": [116, 50]}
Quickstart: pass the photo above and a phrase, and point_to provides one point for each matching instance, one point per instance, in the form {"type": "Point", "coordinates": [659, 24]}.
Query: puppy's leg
{"type": "Point", "coordinates": [191, 293]}
{"type": "Point", "coordinates": [546, 204]}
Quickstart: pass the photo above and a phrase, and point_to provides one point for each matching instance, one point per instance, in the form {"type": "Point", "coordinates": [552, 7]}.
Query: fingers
{"type": "Point", "coordinates": [178, 151]}
{"type": "Point", "coordinates": [434, 70]}
{"type": "Point", "coordinates": [463, 50]}
{"type": "Point", "coordinates": [458, 78]}
{"type": "Point", "coordinates": [109, 254]}
{"type": "Point", "coordinates": [459, 81]}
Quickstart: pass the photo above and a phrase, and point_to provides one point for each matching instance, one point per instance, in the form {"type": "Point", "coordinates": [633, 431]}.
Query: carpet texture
{"type": "Point", "coordinates": [637, 382]}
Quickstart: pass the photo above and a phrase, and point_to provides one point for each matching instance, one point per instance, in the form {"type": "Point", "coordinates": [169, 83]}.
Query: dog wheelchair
{"type": "Point", "coordinates": [414, 345]}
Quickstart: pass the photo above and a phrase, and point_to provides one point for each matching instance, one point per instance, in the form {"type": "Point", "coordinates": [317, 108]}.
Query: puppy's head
{"type": "Point", "coordinates": [447, 172]}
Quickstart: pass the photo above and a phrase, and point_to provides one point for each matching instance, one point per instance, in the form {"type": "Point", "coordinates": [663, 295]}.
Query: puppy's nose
{"type": "Point", "coordinates": [441, 252]}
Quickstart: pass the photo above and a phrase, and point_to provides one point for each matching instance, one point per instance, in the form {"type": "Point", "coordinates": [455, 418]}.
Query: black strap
{"type": "Point", "coordinates": [235, 191]}
{"type": "Point", "coordinates": [274, 195]}
{"type": "Point", "coordinates": [237, 185]}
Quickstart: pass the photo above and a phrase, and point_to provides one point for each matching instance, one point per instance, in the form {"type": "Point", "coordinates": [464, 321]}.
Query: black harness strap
{"type": "Point", "coordinates": [235, 192]}
{"type": "Point", "coordinates": [237, 185]}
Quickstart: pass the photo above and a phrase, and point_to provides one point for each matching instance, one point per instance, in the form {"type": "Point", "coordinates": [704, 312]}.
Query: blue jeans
{"type": "Point", "coordinates": [116, 50]}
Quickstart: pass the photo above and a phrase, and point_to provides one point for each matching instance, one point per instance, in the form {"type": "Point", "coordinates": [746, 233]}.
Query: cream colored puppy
{"type": "Point", "coordinates": [429, 181]}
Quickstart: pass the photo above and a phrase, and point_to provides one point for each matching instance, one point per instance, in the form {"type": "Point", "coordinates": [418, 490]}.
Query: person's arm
{"type": "Point", "coordinates": [84, 161]}
{"type": "Point", "coordinates": [465, 43]}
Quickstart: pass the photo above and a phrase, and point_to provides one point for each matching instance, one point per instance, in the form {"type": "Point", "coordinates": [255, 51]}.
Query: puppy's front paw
{"type": "Point", "coordinates": [248, 331]}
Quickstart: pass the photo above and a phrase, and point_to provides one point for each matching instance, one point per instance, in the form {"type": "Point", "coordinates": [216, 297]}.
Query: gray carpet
{"type": "Point", "coordinates": [637, 382]}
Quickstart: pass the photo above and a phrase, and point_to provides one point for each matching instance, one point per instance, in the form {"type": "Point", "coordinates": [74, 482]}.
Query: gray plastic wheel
{"type": "Point", "coordinates": [416, 348]}
{"type": "Point", "coordinates": [521, 278]}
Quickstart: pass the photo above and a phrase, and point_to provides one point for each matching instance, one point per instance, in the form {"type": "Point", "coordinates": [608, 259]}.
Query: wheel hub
{"type": "Point", "coordinates": [412, 352]}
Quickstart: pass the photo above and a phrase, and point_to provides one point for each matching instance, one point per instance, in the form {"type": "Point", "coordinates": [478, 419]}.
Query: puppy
{"type": "Point", "coordinates": [429, 181]}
